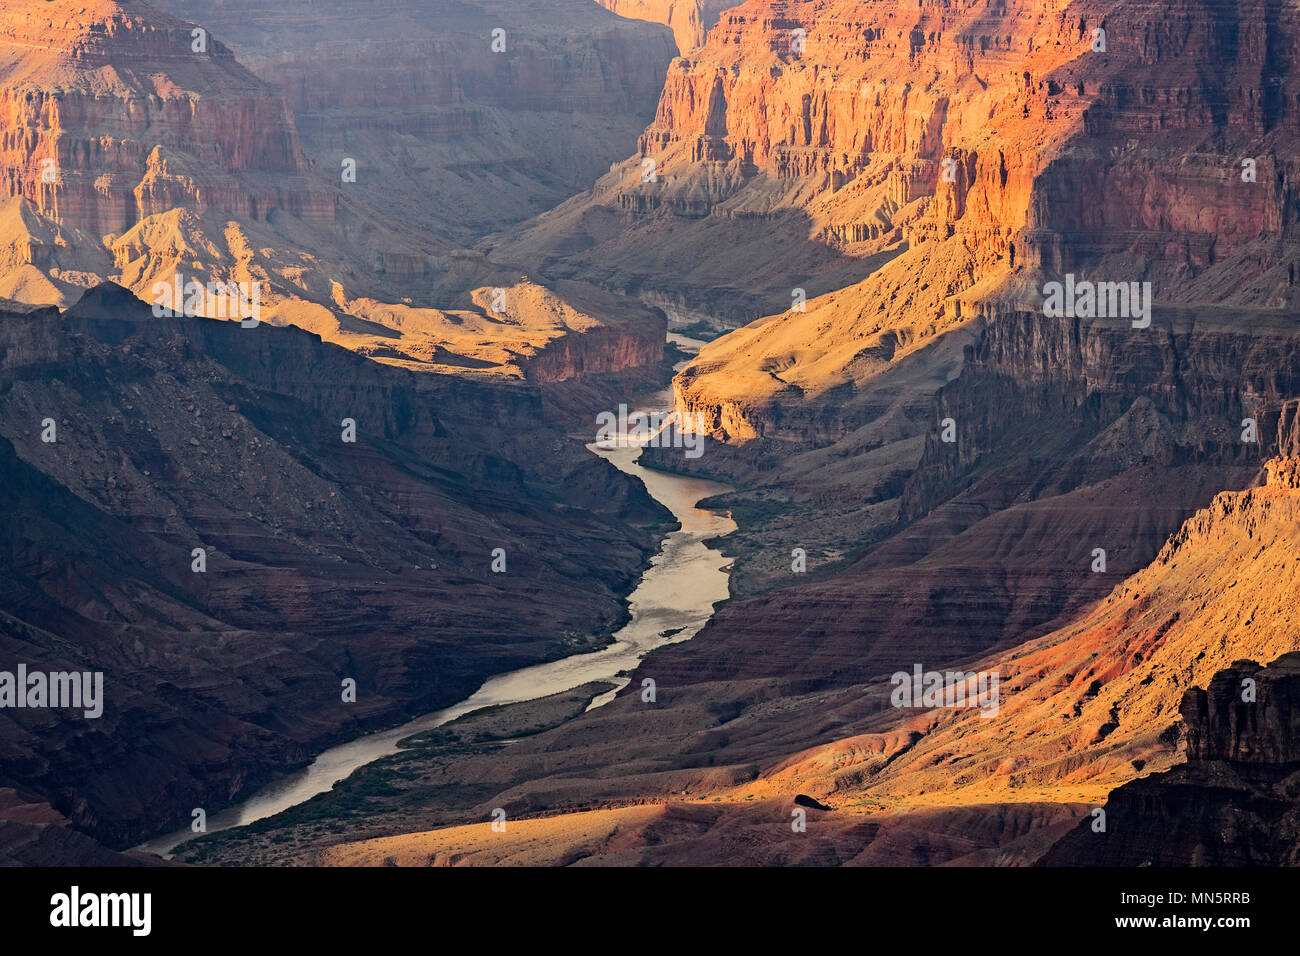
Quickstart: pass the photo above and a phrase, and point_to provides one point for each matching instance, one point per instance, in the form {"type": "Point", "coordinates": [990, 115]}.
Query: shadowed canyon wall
{"type": "Point", "coordinates": [1231, 804]}
{"type": "Point", "coordinates": [325, 559]}
{"type": "Point", "coordinates": [449, 134]}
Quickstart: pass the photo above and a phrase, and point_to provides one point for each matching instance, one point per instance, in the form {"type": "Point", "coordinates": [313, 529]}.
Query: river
{"type": "Point", "coordinates": [671, 603]}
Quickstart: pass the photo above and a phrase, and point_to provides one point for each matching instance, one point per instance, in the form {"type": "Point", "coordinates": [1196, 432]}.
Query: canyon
{"type": "Point", "coordinates": [759, 710]}
{"type": "Point", "coordinates": [324, 559]}
{"type": "Point", "coordinates": [868, 198]}
{"type": "Point", "coordinates": [138, 148]}
{"type": "Point", "coordinates": [862, 205]}
{"type": "Point", "coordinates": [452, 138]}
{"type": "Point", "coordinates": [141, 147]}
{"type": "Point", "coordinates": [1069, 435]}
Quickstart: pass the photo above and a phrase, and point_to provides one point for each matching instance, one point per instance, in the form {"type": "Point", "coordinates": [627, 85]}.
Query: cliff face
{"type": "Point", "coordinates": [1218, 224]}
{"type": "Point", "coordinates": [1122, 166]}
{"type": "Point", "coordinates": [1221, 722]}
{"type": "Point", "coordinates": [1172, 394]}
{"type": "Point", "coordinates": [325, 559]}
{"type": "Point", "coordinates": [1096, 703]}
{"type": "Point", "coordinates": [449, 135]}
{"type": "Point", "coordinates": [802, 139]}
{"type": "Point", "coordinates": [140, 122]}
{"type": "Point", "coordinates": [111, 117]}
{"type": "Point", "coordinates": [33, 834]}
{"type": "Point", "coordinates": [935, 149]}
{"type": "Point", "coordinates": [1232, 803]}
{"type": "Point", "coordinates": [1112, 699]}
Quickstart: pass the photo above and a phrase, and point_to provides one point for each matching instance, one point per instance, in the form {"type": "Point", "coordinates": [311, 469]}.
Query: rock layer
{"type": "Point", "coordinates": [1233, 802]}
{"type": "Point", "coordinates": [115, 111]}
{"type": "Point", "coordinates": [450, 135]}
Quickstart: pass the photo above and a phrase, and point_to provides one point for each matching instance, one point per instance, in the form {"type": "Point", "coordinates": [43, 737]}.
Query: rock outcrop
{"type": "Point", "coordinates": [1233, 803]}
{"type": "Point", "coordinates": [33, 834]}
{"type": "Point", "coordinates": [1097, 702]}
{"type": "Point", "coordinates": [1101, 510]}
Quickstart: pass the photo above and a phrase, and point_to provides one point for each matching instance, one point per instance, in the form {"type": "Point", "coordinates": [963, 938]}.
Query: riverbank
{"type": "Point", "coordinates": [675, 597]}
{"type": "Point", "coordinates": [414, 787]}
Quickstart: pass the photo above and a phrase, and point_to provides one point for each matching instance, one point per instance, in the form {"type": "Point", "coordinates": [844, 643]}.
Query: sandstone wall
{"type": "Point", "coordinates": [137, 122]}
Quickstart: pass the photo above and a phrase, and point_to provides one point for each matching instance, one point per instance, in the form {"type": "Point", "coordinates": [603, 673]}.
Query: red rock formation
{"type": "Point", "coordinates": [1096, 703]}
{"type": "Point", "coordinates": [111, 116]}
{"type": "Point", "coordinates": [812, 136]}
{"type": "Point", "coordinates": [1062, 162]}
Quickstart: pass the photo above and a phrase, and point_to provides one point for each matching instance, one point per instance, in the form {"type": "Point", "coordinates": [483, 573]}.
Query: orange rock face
{"type": "Point", "coordinates": [868, 174]}
{"type": "Point", "coordinates": [813, 136]}
{"type": "Point", "coordinates": [114, 112]}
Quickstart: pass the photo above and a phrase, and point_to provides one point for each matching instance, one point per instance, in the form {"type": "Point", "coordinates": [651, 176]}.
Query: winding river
{"type": "Point", "coordinates": [672, 602]}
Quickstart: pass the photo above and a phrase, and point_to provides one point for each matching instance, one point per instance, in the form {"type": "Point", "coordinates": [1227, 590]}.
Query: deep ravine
{"type": "Point", "coordinates": [673, 601]}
